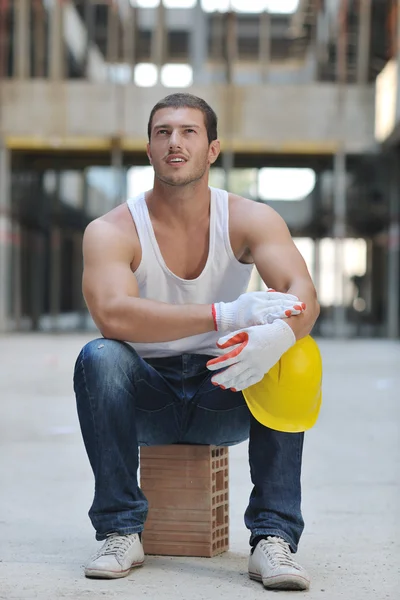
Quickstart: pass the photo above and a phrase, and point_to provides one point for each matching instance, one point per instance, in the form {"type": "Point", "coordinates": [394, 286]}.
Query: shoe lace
{"type": "Point", "coordinates": [116, 545]}
{"type": "Point", "coordinates": [278, 552]}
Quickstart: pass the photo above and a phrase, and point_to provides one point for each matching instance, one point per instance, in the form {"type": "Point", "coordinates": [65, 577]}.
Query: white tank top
{"type": "Point", "coordinates": [223, 278]}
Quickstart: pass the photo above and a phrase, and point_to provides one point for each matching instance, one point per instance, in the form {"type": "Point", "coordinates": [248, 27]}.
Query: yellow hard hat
{"type": "Point", "coordinates": [288, 398]}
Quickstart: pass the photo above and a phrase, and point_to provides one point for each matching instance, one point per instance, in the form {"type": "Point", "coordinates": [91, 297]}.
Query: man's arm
{"type": "Point", "coordinates": [281, 265]}
{"type": "Point", "coordinates": [112, 295]}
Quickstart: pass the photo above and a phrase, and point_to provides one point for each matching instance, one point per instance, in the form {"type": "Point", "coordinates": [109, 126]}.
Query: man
{"type": "Point", "coordinates": [164, 280]}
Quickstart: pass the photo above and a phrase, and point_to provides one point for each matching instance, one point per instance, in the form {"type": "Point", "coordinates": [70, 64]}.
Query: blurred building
{"type": "Point", "coordinates": [310, 86]}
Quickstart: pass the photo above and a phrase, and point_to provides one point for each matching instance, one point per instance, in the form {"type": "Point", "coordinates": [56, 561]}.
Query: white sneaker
{"type": "Point", "coordinates": [117, 556]}
{"type": "Point", "coordinates": [272, 563]}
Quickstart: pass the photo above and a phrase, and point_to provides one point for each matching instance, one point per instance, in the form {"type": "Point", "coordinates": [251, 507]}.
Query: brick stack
{"type": "Point", "coordinates": [187, 487]}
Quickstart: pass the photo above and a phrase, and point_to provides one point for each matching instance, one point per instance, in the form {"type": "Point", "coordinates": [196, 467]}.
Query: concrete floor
{"type": "Point", "coordinates": [351, 481]}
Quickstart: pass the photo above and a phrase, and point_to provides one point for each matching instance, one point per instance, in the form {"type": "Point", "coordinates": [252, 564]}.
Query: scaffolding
{"type": "Point", "coordinates": [94, 41]}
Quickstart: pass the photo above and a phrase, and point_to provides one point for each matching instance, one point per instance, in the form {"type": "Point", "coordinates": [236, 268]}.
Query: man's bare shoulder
{"type": "Point", "coordinates": [117, 224]}
{"type": "Point", "coordinates": [244, 213]}
{"type": "Point", "coordinates": [112, 236]}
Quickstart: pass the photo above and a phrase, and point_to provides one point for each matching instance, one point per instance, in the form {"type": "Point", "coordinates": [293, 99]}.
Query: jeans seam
{"type": "Point", "coordinates": [153, 412]}
{"type": "Point", "coordinates": [91, 405]}
{"type": "Point", "coordinates": [221, 410]}
{"type": "Point", "coordinates": [134, 384]}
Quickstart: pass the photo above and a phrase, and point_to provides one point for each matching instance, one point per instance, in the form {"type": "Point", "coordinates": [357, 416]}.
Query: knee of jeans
{"type": "Point", "coordinates": [104, 354]}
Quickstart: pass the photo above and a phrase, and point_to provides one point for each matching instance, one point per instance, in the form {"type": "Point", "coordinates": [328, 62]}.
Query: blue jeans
{"type": "Point", "coordinates": [125, 401]}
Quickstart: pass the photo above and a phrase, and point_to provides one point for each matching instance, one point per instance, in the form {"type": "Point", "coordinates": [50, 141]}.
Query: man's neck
{"type": "Point", "coordinates": [183, 205]}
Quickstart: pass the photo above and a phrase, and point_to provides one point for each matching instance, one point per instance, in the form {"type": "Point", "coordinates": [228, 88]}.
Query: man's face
{"type": "Point", "coordinates": [178, 149]}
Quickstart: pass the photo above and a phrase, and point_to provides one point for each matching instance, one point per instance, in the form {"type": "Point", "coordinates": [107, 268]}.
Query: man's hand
{"type": "Point", "coordinates": [255, 308]}
{"type": "Point", "coordinates": [254, 351]}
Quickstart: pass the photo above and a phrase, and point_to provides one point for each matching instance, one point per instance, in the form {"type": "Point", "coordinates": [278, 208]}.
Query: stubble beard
{"type": "Point", "coordinates": [189, 179]}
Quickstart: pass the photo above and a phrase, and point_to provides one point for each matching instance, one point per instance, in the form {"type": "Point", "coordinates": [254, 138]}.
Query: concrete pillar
{"type": "Point", "coordinates": [316, 265]}
{"type": "Point", "coordinates": [339, 233]}
{"type": "Point", "coordinates": [128, 39]}
{"type": "Point", "coordinates": [118, 170]}
{"type": "Point", "coordinates": [21, 39]}
{"type": "Point", "coordinates": [113, 56]}
{"type": "Point", "coordinates": [231, 53]}
{"type": "Point", "coordinates": [4, 34]}
{"type": "Point", "coordinates": [397, 56]}
{"type": "Point", "coordinates": [55, 259]}
{"type": "Point", "coordinates": [317, 209]}
{"type": "Point", "coordinates": [88, 12]}
{"type": "Point", "coordinates": [339, 172]}
{"type": "Point", "coordinates": [56, 41]}
{"type": "Point", "coordinates": [321, 40]}
{"type": "Point", "coordinates": [37, 277]}
{"type": "Point", "coordinates": [77, 269]}
{"type": "Point", "coordinates": [393, 267]}
{"type": "Point", "coordinates": [39, 39]}
{"type": "Point", "coordinates": [5, 237]}
{"type": "Point", "coordinates": [55, 276]}
{"type": "Point", "coordinates": [227, 163]}
{"type": "Point", "coordinates": [316, 277]}
{"type": "Point", "coordinates": [217, 41]}
{"type": "Point", "coordinates": [16, 237]}
{"type": "Point", "coordinates": [83, 312]}
{"type": "Point", "coordinates": [230, 59]}
{"type": "Point", "coordinates": [265, 45]}
{"type": "Point", "coordinates": [37, 256]}
{"type": "Point", "coordinates": [159, 39]}
{"type": "Point", "coordinates": [198, 44]}
{"type": "Point", "coordinates": [363, 42]}
{"type": "Point", "coordinates": [393, 263]}
{"type": "Point", "coordinates": [112, 33]}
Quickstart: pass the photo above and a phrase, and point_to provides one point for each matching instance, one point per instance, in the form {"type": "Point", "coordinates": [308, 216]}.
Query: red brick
{"type": "Point", "coordinates": [187, 488]}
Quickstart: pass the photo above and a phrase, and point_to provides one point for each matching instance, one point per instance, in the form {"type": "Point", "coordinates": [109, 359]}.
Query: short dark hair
{"type": "Point", "coordinates": [183, 100]}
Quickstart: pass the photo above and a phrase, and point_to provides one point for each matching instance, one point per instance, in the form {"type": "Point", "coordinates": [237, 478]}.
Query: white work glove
{"type": "Point", "coordinates": [253, 352]}
{"type": "Point", "coordinates": [255, 308]}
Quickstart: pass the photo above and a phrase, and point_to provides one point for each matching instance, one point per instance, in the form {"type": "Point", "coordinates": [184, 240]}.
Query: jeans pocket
{"type": "Point", "coordinates": [218, 427]}
{"type": "Point", "coordinates": [157, 427]}
{"type": "Point", "coordinates": [150, 398]}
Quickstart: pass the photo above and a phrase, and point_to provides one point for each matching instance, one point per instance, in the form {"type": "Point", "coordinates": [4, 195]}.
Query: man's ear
{"type": "Point", "coordinates": [214, 150]}
{"type": "Point", "coordinates": [148, 152]}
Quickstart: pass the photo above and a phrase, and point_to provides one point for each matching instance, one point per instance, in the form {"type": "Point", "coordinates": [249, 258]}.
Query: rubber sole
{"type": "Point", "coordinates": [282, 582]}
{"type": "Point", "coordinates": [97, 574]}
